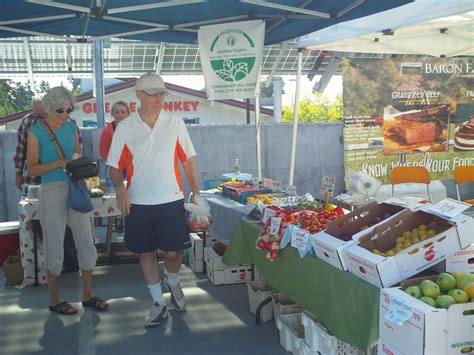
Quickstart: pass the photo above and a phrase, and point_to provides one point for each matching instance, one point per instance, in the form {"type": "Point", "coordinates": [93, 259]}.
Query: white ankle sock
{"type": "Point", "coordinates": [157, 293]}
{"type": "Point", "coordinates": [172, 279]}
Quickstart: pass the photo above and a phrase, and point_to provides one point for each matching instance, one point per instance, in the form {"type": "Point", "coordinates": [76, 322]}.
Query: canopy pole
{"type": "Point", "coordinates": [99, 81]}
{"type": "Point", "coordinates": [295, 116]}
{"type": "Point", "coordinates": [257, 137]}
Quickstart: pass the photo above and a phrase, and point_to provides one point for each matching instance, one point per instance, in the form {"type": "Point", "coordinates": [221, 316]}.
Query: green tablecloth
{"type": "Point", "coordinates": [348, 306]}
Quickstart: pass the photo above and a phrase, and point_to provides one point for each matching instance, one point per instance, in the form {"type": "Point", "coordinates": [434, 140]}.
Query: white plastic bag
{"type": "Point", "coordinates": [199, 216]}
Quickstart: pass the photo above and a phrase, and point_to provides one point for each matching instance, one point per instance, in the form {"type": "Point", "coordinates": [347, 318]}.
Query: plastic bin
{"type": "Point", "coordinates": [291, 332]}
{"type": "Point", "coordinates": [320, 341]}
{"type": "Point", "coordinates": [283, 305]}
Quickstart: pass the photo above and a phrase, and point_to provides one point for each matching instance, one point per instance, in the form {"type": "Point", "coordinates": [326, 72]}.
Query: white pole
{"type": "Point", "coordinates": [257, 136]}
{"type": "Point", "coordinates": [295, 118]}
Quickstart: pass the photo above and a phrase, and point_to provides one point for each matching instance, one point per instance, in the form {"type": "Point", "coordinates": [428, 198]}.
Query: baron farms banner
{"type": "Point", "coordinates": [231, 55]}
{"type": "Point", "coordinates": [409, 113]}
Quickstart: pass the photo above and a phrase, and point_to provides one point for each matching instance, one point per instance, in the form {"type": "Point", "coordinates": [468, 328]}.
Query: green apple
{"type": "Point", "coordinates": [428, 300]}
{"type": "Point", "coordinates": [444, 301]}
{"type": "Point", "coordinates": [429, 289]}
{"type": "Point", "coordinates": [446, 282]}
{"type": "Point", "coordinates": [465, 278]}
{"type": "Point", "coordinates": [414, 291]}
{"type": "Point", "coordinates": [459, 296]}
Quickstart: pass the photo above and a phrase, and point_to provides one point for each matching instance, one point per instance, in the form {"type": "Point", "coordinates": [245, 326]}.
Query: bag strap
{"type": "Point", "coordinates": [114, 125]}
{"type": "Point", "coordinates": [54, 139]}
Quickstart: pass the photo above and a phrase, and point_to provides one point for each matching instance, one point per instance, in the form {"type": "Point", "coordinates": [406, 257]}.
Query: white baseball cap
{"type": "Point", "coordinates": [151, 83]}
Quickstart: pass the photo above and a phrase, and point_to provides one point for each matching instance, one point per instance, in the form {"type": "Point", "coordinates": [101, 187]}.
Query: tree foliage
{"type": "Point", "coordinates": [16, 97]}
{"type": "Point", "coordinates": [316, 109]}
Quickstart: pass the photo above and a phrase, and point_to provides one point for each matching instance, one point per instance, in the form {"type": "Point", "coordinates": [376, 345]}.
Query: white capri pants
{"type": "Point", "coordinates": [54, 214]}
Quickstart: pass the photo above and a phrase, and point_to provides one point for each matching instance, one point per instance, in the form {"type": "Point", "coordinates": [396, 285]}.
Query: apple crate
{"type": "Point", "coordinates": [424, 329]}
{"type": "Point", "coordinates": [321, 341]}
{"type": "Point", "coordinates": [291, 332]}
{"type": "Point", "coordinates": [283, 305]}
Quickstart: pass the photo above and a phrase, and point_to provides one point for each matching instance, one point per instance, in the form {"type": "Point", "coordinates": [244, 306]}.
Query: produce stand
{"type": "Point", "coordinates": [348, 306]}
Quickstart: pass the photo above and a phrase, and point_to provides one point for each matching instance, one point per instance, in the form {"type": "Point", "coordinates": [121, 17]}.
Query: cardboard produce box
{"type": "Point", "coordinates": [383, 271]}
{"type": "Point", "coordinates": [257, 296]}
{"type": "Point", "coordinates": [221, 274]}
{"type": "Point", "coordinates": [13, 270]}
{"type": "Point", "coordinates": [420, 328]}
{"type": "Point", "coordinates": [328, 244]}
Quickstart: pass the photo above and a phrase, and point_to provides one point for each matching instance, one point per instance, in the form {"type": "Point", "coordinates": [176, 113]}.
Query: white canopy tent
{"type": "Point", "coordinates": [432, 27]}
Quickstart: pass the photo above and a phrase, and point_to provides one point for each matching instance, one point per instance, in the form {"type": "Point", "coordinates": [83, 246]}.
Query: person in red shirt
{"type": "Point", "coordinates": [120, 111]}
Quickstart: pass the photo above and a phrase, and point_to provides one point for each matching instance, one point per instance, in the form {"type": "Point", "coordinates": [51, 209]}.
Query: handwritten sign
{"type": "Point", "coordinates": [299, 239]}
{"type": "Point", "coordinates": [277, 185]}
{"type": "Point", "coordinates": [275, 225]}
{"type": "Point", "coordinates": [268, 182]}
{"type": "Point", "coordinates": [448, 208]}
{"type": "Point", "coordinates": [255, 181]}
{"type": "Point", "coordinates": [291, 189]}
{"type": "Point", "coordinates": [328, 184]}
{"type": "Point", "coordinates": [398, 311]}
{"type": "Point", "coordinates": [267, 213]}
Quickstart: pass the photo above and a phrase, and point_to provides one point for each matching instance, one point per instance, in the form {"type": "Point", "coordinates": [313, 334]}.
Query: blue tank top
{"type": "Point", "coordinates": [48, 152]}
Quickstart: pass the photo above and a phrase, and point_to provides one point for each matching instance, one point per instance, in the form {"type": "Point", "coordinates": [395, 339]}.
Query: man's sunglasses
{"type": "Point", "coordinates": [62, 110]}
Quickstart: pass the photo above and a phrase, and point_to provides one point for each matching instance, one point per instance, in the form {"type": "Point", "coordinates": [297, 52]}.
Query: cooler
{"type": "Point", "coordinates": [9, 239]}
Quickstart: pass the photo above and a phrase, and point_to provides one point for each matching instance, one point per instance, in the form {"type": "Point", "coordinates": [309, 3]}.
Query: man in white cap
{"type": "Point", "coordinates": [148, 147]}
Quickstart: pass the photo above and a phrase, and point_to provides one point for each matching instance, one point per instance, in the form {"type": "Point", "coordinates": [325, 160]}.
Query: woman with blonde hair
{"type": "Point", "coordinates": [43, 159]}
{"type": "Point", "coordinates": [120, 111]}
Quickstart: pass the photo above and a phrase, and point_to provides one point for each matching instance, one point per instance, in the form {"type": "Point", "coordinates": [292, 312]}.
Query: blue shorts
{"type": "Point", "coordinates": [152, 227]}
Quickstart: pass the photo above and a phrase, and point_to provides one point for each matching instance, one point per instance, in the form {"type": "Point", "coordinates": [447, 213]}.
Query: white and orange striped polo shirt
{"type": "Point", "coordinates": [150, 157]}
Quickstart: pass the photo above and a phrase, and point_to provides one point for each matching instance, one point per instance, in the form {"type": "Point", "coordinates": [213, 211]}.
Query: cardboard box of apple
{"type": "Point", "coordinates": [407, 239]}
{"type": "Point", "coordinates": [447, 289]}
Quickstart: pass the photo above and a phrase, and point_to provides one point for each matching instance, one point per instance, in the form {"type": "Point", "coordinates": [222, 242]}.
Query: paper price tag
{"type": "Point", "coordinates": [291, 190]}
{"type": "Point", "coordinates": [255, 181]}
{"type": "Point", "coordinates": [277, 185]}
{"type": "Point", "coordinates": [268, 213]}
{"type": "Point", "coordinates": [268, 183]}
{"type": "Point", "coordinates": [328, 184]}
{"type": "Point", "coordinates": [299, 239]}
{"type": "Point", "coordinates": [398, 311]}
{"type": "Point", "coordinates": [275, 225]}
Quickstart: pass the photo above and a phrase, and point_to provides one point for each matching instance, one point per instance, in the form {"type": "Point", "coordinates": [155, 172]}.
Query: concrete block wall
{"type": "Point", "coordinates": [319, 149]}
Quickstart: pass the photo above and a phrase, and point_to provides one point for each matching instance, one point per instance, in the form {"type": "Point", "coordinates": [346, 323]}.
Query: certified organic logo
{"type": "Point", "coordinates": [232, 55]}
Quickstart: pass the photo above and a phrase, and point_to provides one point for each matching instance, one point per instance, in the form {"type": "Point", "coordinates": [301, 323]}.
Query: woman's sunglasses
{"type": "Point", "coordinates": [62, 110]}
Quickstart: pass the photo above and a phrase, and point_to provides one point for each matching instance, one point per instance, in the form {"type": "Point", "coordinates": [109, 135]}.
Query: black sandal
{"type": "Point", "coordinates": [63, 308]}
{"type": "Point", "coordinates": [96, 303]}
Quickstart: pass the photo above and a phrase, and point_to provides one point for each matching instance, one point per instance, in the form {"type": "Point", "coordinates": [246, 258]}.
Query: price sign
{"type": "Point", "coordinates": [299, 239]}
{"type": "Point", "coordinates": [255, 181]}
{"type": "Point", "coordinates": [328, 184]}
{"type": "Point", "coordinates": [277, 185]}
{"type": "Point", "coordinates": [268, 183]}
{"type": "Point", "coordinates": [275, 225]}
{"type": "Point", "coordinates": [268, 213]}
{"type": "Point", "coordinates": [398, 311]}
{"type": "Point", "coordinates": [291, 190]}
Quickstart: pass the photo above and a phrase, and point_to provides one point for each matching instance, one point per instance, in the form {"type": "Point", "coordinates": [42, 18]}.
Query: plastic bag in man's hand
{"type": "Point", "coordinates": [199, 217]}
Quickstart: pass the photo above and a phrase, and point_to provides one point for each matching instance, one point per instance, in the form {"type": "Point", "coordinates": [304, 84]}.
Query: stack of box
{"type": "Point", "coordinates": [221, 274]}
{"type": "Point", "coordinates": [196, 252]}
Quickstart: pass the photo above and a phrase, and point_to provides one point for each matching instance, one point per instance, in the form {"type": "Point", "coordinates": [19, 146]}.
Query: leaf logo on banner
{"type": "Point", "coordinates": [231, 72]}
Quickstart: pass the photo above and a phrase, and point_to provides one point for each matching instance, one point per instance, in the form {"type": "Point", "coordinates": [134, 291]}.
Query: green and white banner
{"type": "Point", "coordinates": [231, 55]}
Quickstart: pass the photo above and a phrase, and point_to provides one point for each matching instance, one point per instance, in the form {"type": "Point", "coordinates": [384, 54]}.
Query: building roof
{"type": "Point", "coordinates": [127, 84]}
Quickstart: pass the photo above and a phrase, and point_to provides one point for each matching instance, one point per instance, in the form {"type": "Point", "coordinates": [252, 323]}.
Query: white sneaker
{"type": "Point", "coordinates": [178, 301]}
{"type": "Point", "coordinates": [157, 314]}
